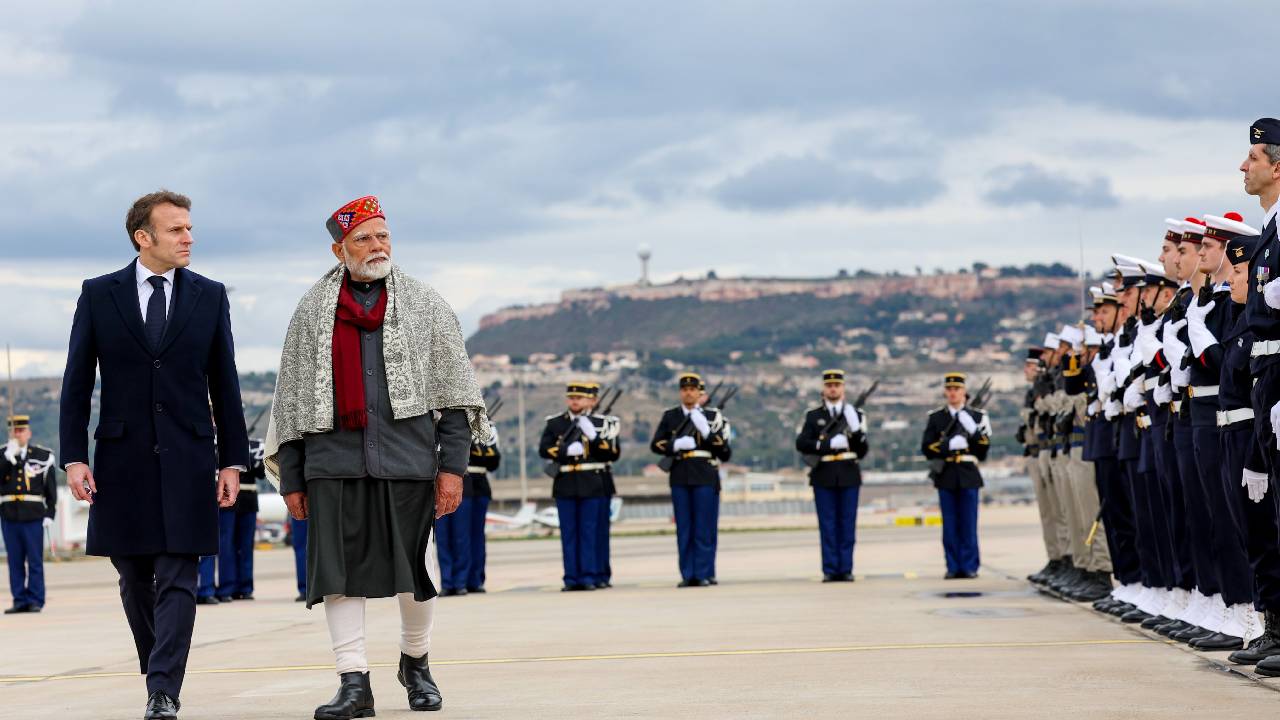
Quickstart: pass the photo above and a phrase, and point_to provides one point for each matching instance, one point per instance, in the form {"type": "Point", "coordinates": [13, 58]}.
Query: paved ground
{"type": "Point", "coordinates": [770, 641]}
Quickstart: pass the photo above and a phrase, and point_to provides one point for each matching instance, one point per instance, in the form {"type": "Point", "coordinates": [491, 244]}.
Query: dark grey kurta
{"type": "Point", "coordinates": [371, 492]}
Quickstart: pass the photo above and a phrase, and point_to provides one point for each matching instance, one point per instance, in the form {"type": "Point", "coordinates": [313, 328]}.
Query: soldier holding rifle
{"type": "Point", "coordinates": [956, 439]}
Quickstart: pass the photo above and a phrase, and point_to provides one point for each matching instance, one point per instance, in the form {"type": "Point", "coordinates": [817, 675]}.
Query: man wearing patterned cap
{"type": "Point", "coordinates": [696, 439]}
{"type": "Point", "coordinates": [375, 408]}
{"type": "Point", "coordinates": [581, 445]}
{"type": "Point", "coordinates": [833, 440]}
{"type": "Point", "coordinates": [28, 501]}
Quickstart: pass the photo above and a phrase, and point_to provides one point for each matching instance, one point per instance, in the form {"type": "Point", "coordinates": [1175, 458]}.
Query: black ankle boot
{"type": "Point", "coordinates": [415, 676]}
{"type": "Point", "coordinates": [1264, 646]}
{"type": "Point", "coordinates": [354, 699]}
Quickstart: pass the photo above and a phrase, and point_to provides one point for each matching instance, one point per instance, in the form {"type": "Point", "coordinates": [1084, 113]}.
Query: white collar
{"type": "Point", "coordinates": [833, 407]}
{"type": "Point", "coordinates": [142, 274]}
{"type": "Point", "coordinates": [953, 411]}
{"type": "Point", "coordinates": [1271, 213]}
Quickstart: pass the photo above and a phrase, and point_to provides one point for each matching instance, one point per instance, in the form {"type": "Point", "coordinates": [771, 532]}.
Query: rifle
{"type": "Point", "coordinates": [838, 426]}
{"type": "Point", "coordinates": [609, 403]}
{"type": "Point", "coordinates": [667, 462]}
{"type": "Point", "coordinates": [492, 410]}
{"type": "Point", "coordinates": [937, 465]}
{"type": "Point", "coordinates": [256, 420]}
{"type": "Point", "coordinates": [552, 468]}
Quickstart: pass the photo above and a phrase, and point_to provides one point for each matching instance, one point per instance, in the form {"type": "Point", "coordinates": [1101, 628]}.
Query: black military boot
{"type": "Point", "coordinates": [354, 699]}
{"type": "Point", "coordinates": [1038, 577]}
{"type": "Point", "coordinates": [1264, 646]}
{"type": "Point", "coordinates": [415, 676]}
{"type": "Point", "coordinates": [161, 707]}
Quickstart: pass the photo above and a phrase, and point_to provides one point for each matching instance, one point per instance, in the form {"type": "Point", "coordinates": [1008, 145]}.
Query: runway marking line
{"type": "Point", "coordinates": [626, 656]}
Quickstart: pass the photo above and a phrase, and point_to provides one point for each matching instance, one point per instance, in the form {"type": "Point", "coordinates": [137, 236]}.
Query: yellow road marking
{"type": "Point", "coordinates": [626, 656]}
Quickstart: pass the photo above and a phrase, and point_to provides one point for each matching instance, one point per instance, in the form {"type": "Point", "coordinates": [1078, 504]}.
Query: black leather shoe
{"type": "Point", "coordinates": [1121, 609]}
{"type": "Point", "coordinates": [353, 700]}
{"type": "Point", "coordinates": [161, 707]}
{"type": "Point", "coordinates": [684, 583]}
{"type": "Point", "coordinates": [700, 583]}
{"type": "Point", "coordinates": [1269, 666]}
{"type": "Point", "coordinates": [829, 578]}
{"type": "Point", "coordinates": [476, 589]}
{"type": "Point", "coordinates": [1040, 575]}
{"type": "Point", "coordinates": [1174, 626]}
{"type": "Point", "coordinates": [242, 596]}
{"type": "Point", "coordinates": [952, 576]}
{"type": "Point", "coordinates": [206, 601]}
{"type": "Point", "coordinates": [300, 598]}
{"type": "Point", "coordinates": [224, 599]}
{"type": "Point", "coordinates": [712, 581]}
{"type": "Point", "coordinates": [1134, 616]}
{"type": "Point", "coordinates": [1216, 642]}
{"type": "Point", "coordinates": [578, 588]}
{"type": "Point", "coordinates": [1188, 633]}
{"type": "Point", "coordinates": [415, 676]}
{"type": "Point", "coordinates": [1154, 621]}
{"type": "Point", "coordinates": [844, 577]}
{"type": "Point", "coordinates": [17, 610]}
{"type": "Point", "coordinates": [1264, 646]}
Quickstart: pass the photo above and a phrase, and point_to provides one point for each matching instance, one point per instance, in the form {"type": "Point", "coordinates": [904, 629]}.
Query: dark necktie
{"type": "Point", "coordinates": [156, 312]}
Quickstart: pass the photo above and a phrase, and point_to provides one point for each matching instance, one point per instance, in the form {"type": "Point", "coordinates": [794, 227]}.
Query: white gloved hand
{"type": "Point", "coordinates": [1133, 395]}
{"type": "Point", "coordinates": [1271, 294]}
{"type": "Point", "coordinates": [1199, 335]}
{"type": "Point", "coordinates": [958, 442]}
{"type": "Point", "coordinates": [1256, 483]}
{"type": "Point", "coordinates": [1093, 408]}
{"type": "Point", "coordinates": [1147, 344]}
{"type": "Point", "coordinates": [48, 522]}
{"type": "Point", "coordinates": [967, 422]}
{"type": "Point", "coordinates": [851, 418]}
{"type": "Point", "coordinates": [683, 443]}
{"type": "Point", "coordinates": [587, 427]}
{"type": "Point", "coordinates": [1163, 394]}
{"type": "Point", "coordinates": [575, 448]}
{"type": "Point", "coordinates": [699, 420]}
{"type": "Point", "coordinates": [1112, 409]}
{"type": "Point", "coordinates": [11, 450]}
{"type": "Point", "coordinates": [840, 442]}
{"type": "Point", "coordinates": [1174, 348]}
{"type": "Point", "coordinates": [1180, 377]}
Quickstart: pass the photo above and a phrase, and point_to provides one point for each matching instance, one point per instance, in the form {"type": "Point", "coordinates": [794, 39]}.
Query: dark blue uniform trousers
{"type": "Point", "coordinates": [837, 527]}
{"type": "Point", "coordinates": [1117, 513]}
{"type": "Point", "coordinates": [453, 546]}
{"type": "Point", "coordinates": [960, 529]}
{"type": "Point", "coordinates": [205, 572]}
{"type": "Point", "coordinates": [244, 531]}
{"type": "Point", "coordinates": [24, 543]}
{"type": "Point", "coordinates": [1258, 520]}
{"type": "Point", "coordinates": [298, 529]}
{"type": "Point", "coordinates": [475, 572]}
{"type": "Point", "coordinates": [228, 577]}
{"type": "Point", "coordinates": [579, 538]}
{"type": "Point", "coordinates": [1227, 537]}
{"type": "Point", "coordinates": [604, 573]}
{"type": "Point", "coordinates": [696, 509]}
{"type": "Point", "coordinates": [1204, 570]}
{"type": "Point", "coordinates": [159, 597]}
{"type": "Point", "coordinates": [1175, 507]}
{"type": "Point", "coordinates": [1153, 517]}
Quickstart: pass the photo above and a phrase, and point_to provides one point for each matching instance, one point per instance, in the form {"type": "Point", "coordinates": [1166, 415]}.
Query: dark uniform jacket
{"type": "Point", "coordinates": [961, 469]}
{"type": "Point", "coordinates": [836, 468]}
{"type": "Point", "coordinates": [1263, 321]}
{"type": "Point", "coordinates": [574, 480]}
{"type": "Point", "coordinates": [28, 488]}
{"type": "Point", "coordinates": [1206, 368]}
{"type": "Point", "coordinates": [699, 466]}
{"type": "Point", "coordinates": [483, 460]}
{"type": "Point", "coordinates": [156, 455]}
{"type": "Point", "coordinates": [247, 500]}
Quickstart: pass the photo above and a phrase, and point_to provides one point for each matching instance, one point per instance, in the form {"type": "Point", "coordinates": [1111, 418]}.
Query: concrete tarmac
{"type": "Point", "coordinates": [770, 641]}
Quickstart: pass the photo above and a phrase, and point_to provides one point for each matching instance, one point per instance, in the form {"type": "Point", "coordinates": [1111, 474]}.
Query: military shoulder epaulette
{"type": "Point", "coordinates": [40, 447]}
{"type": "Point", "coordinates": [553, 417]}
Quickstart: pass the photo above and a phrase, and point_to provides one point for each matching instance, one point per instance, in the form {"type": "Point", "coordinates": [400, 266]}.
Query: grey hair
{"type": "Point", "coordinates": [1273, 153]}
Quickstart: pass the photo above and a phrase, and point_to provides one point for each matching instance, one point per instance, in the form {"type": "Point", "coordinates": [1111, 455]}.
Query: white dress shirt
{"type": "Point", "coordinates": [145, 289]}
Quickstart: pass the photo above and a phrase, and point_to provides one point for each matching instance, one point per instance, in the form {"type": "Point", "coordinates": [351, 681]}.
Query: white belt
{"type": "Point", "coordinates": [21, 498]}
{"type": "Point", "coordinates": [1152, 383]}
{"type": "Point", "coordinates": [1265, 347]}
{"type": "Point", "coordinates": [1230, 417]}
{"type": "Point", "coordinates": [583, 467]}
{"type": "Point", "coordinates": [1143, 421]}
{"type": "Point", "coordinates": [962, 458]}
{"type": "Point", "coordinates": [839, 456]}
{"type": "Point", "coordinates": [1202, 391]}
{"type": "Point", "coordinates": [476, 470]}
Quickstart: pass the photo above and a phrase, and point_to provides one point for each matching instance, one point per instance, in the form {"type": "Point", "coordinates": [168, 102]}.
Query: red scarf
{"type": "Point", "coordinates": [348, 370]}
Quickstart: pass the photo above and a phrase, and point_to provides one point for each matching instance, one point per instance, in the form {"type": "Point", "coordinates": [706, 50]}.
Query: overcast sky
{"type": "Point", "coordinates": [523, 148]}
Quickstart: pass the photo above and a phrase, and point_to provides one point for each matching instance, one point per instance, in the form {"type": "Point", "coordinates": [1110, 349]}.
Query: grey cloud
{"type": "Point", "coordinates": [1031, 184]}
{"type": "Point", "coordinates": [786, 183]}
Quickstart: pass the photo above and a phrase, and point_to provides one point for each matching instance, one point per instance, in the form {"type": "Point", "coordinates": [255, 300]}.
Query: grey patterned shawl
{"type": "Point", "coordinates": [426, 359]}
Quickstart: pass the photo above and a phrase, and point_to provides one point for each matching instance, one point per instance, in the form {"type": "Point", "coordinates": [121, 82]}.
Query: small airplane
{"type": "Point", "coordinates": [548, 517]}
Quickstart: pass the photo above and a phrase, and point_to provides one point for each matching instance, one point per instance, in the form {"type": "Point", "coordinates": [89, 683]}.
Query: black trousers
{"type": "Point", "coordinates": [1196, 511]}
{"type": "Point", "coordinates": [1227, 532]}
{"type": "Point", "coordinates": [1118, 520]}
{"type": "Point", "coordinates": [1258, 520]}
{"type": "Point", "coordinates": [159, 596]}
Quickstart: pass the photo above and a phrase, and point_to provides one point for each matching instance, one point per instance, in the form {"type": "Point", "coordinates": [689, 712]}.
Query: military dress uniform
{"type": "Point", "coordinates": [960, 444]}
{"type": "Point", "coordinates": [834, 434]}
{"type": "Point", "coordinates": [581, 445]}
{"type": "Point", "coordinates": [697, 441]}
{"type": "Point", "coordinates": [461, 552]}
{"type": "Point", "coordinates": [484, 460]}
{"type": "Point", "coordinates": [604, 571]}
{"type": "Point", "coordinates": [28, 503]}
{"type": "Point", "coordinates": [244, 526]}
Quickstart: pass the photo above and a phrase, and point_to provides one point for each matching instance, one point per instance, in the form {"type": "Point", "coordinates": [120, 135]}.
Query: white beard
{"type": "Point", "coordinates": [367, 271]}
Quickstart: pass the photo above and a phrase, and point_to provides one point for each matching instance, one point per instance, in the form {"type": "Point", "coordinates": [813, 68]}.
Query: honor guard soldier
{"type": "Point", "coordinates": [28, 502]}
{"type": "Point", "coordinates": [833, 440]}
{"type": "Point", "coordinates": [960, 437]}
{"type": "Point", "coordinates": [604, 573]}
{"type": "Point", "coordinates": [693, 441]}
{"type": "Point", "coordinates": [580, 446]}
{"type": "Point", "coordinates": [485, 458]}
{"type": "Point", "coordinates": [244, 531]}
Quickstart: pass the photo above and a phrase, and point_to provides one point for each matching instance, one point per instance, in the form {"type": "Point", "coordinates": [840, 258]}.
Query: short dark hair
{"type": "Point", "coordinates": [139, 217]}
